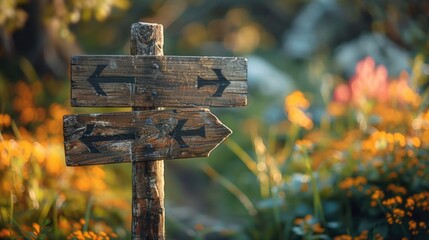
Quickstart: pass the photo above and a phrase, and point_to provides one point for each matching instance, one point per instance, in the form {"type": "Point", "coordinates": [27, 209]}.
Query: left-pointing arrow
{"type": "Point", "coordinates": [89, 140]}
{"type": "Point", "coordinates": [95, 79]}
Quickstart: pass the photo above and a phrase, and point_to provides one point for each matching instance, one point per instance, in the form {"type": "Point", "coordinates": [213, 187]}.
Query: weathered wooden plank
{"type": "Point", "coordinates": [141, 136]}
{"type": "Point", "coordinates": [158, 81]}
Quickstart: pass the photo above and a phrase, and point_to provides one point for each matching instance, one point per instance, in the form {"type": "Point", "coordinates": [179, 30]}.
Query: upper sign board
{"type": "Point", "coordinates": [158, 81]}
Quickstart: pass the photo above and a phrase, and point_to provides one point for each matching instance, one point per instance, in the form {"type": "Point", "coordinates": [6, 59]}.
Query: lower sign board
{"type": "Point", "coordinates": [141, 136]}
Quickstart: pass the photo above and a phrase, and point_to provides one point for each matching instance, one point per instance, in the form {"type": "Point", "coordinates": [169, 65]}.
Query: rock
{"type": "Point", "coordinates": [268, 79]}
{"type": "Point", "coordinates": [318, 24]}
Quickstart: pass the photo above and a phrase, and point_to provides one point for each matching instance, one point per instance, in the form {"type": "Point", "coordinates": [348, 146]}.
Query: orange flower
{"type": "Point", "coordinates": [343, 237]}
{"type": "Point", "coordinates": [36, 229]}
{"type": "Point", "coordinates": [87, 235]}
{"type": "Point", "coordinates": [296, 100]}
{"type": "Point", "coordinates": [401, 91]}
{"type": "Point", "coordinates": [412, 224]}
{"type": "Point", "coordinates": [376, 196]}
{"type": "Point", "coordinates": [5, 120]}
{"type": "Point", "coordinates": [5, 233]}
{"type": "Point", "coordinates": [397, 189]}
{"type": "Point", "coordinates": [349, 182]}
{"type": "Point", "coordinates": [90, 179]}
{"type": "Point", "coordinates": [336, 109]}
{"type": "Point", "coordinates": [303, 144]}
{"type": "Point", "coordinates": [295, 105]}
{"type": "Point", "coordinates": [54, 161]}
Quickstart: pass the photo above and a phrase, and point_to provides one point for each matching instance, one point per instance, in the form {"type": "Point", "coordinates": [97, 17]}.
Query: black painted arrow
{"type": "Point", "coordinates": [89, 140]}
{"type": "Point", "coordinates": [95, 79]}
{"type": "Point", "coordinates": [222, 82]}
{"type": "Point", "coordinates": [177, 133]}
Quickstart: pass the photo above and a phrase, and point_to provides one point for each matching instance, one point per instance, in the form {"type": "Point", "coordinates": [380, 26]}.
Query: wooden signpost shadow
{"type": "Point", "coordinates": [147, 80]}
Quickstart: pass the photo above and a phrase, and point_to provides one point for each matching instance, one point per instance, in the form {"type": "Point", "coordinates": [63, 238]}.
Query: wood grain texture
{"type": "Point", "coordinates": [158, 81]}
{"type": "Point", "coordinates": [148, 212]}
{"type": "Point", "coordinates": [141, 136]}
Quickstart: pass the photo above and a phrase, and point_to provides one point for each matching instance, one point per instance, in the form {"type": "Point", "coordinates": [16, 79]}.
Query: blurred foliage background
{"type": "Point", "coordinates": [309, 164]}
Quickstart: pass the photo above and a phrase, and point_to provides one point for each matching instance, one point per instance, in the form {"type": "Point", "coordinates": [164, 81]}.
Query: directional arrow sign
{"type": "Point", "coordinates": [141, 136]}
{"type": "Point", "coordinates": [89, 139]}
{"type": "Point", "coordinates": [158, 81]}
{"type": "Point", "coordinates": [221, 82]}
{"type": "Point", "coordinates": [96, 79]}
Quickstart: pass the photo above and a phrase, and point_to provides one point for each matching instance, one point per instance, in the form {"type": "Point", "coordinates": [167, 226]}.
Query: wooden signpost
{"type": "Point", "coordinates": [146, 135]}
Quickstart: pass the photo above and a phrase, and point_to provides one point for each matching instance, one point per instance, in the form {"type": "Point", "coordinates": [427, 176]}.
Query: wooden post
{"type": "Point", "coordinates": [148, 213]}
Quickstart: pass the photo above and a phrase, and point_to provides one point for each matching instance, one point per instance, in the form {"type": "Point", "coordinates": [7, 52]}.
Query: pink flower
{"type": "Point", "coordinates": [342, 93]}
{"type": "Point", "coordinates": [370, 82]}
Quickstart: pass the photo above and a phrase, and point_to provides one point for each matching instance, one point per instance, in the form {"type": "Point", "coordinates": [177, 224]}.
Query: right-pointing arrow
{"type": "Point", "coordinates": [221, 82]}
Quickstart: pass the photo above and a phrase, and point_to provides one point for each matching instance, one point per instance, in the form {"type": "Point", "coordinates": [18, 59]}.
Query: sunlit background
{"type": "Point", "coordinates": [332, 145]}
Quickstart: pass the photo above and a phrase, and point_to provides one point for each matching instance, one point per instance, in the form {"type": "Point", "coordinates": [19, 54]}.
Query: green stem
{"type": "Point", "coordinates": [244, 200]}
{"type": "Point", "coordinates": [55, 218]}
{"type": "Point", "coordinates": [88, 213]}
{"type": "Point", "coordinates": [287, 150]}
{"type": "Point", "coordinates": [11, 209]}
{"type": "Point", "coordinates": [242, 155]}
{"type": "Point", "coordinates": [317, 201]}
